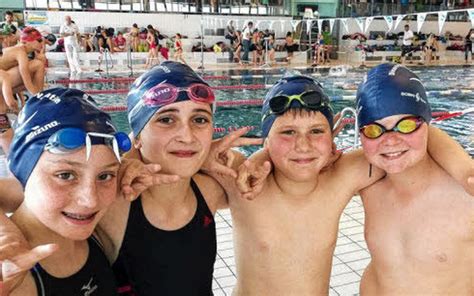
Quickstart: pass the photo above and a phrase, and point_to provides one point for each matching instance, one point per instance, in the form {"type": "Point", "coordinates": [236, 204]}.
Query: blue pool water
{"type": "Point", "coordinates": [449, 89]}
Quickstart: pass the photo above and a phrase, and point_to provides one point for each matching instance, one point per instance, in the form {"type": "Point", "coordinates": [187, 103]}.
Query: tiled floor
{"type": "Point", "coordinates": [350, 257]}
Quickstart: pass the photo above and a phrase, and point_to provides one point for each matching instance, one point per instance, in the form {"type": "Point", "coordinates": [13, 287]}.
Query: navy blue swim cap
{"type": "Point", "coordinates": [43, 115]}
{"type": "Point", "coordinates": [174, 73]}
{"type": "Point", "coordinates": [289, 86]}
{"type": "Point", "coordinates": [391, 89]}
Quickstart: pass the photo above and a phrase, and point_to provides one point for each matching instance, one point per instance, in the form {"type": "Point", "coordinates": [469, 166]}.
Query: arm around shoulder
{"type": "Point", "coordinates": [451, 157]}
{"type": "Point", "coordinates": [355, 170]}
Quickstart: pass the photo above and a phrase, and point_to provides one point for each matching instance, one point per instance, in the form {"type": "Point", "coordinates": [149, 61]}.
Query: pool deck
{"type": "Point", "coordinates": [140, 68]}
{"type": "Point", "coordinates": [349, 261]}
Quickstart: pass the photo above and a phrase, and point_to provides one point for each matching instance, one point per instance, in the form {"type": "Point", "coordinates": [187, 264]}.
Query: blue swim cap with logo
{"type": "Point", "coordinates": [169, 72]}
{"type": "Point", "coordinates": [42, 116]}
{"type": "Point", "coordinates": [290, 85]}
{"type": "Point", "coordinates": [391, 89]}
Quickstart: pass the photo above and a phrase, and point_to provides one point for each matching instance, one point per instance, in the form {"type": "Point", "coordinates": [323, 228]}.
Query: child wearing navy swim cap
{"type": "Point", "coordinates": [419, 216]}
{"type": "Point", "coordinates": [170, 110]}
{"type": "Point", "coordinates": [66, 155]}
{"type": "Point", "coordinates": [290, 228]}
{"type": "Point", "coordinates": [63, 153]}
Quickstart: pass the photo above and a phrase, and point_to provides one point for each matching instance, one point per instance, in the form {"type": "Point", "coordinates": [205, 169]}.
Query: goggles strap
{"type": "Point", "coordinates": [116, 149]}
{"type": "Point", "coordinates": [88, 146]}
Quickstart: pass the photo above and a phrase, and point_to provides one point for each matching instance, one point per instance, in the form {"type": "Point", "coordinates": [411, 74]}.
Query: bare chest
{"type": "Point", "coordinates": [298, 228]}
{"type": "Point", "coordinates": [436, 229]}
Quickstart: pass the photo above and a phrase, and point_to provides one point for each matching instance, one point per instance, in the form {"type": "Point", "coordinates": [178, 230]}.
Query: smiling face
{"type": "Point", "coordinates": [300, 144]}
{"type": "Point", "coordinates": [394, 152]}
{"type": "Point", "coordinates": [68, 194]}
{"type": "Point", "coordinates": [178, 137]}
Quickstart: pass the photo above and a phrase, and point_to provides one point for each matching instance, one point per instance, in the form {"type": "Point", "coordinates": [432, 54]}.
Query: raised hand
{"type": "Point", "coordinates": [252, 175]}
{"type": "Point", "coordinates": [220, 157]}
{"type": "Point", "coordinates": [135, 177]}
{"type": "Point", "coordinates": [17, 258]}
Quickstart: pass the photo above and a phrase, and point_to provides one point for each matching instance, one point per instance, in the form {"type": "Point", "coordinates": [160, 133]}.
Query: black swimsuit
{"type": "Point", "coordinates": [95, 278]}
{"type": "Point", "coordinates": [153, 261]}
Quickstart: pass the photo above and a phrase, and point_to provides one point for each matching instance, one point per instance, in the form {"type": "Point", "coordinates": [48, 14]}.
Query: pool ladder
{"type": "Point", "coordinates": [353, 112]}
{"type": "Point", "coordinates": [130, 61]}
{"type": "Point", "coordinates": [109, 63]}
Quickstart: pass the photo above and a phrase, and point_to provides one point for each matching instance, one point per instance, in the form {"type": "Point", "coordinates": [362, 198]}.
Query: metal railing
{"type": "Point", "coordinates": [349, 9]}
{"type": "Point", "coordinates": [130, 60]}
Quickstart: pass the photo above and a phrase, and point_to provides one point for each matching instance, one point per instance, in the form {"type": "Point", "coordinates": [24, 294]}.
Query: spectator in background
{"type": "Point", "coordinates": [134, 31]}
{"type": "Point", "coordinates": [430, 48]}
{"type": "Point", "coordinates": [97, 36]}
{"type": "Point", "coordinates": [246, 38]}
{"type": "Point", "coordinates": [109, 38]}
{"type": "Point", "coordinates": [152, 47]}
{"type": "Point", "coordinates": [104, 40]}
{"type": "Point", "coordinates": [407, 43]}
{"type": "Point", "coordinates": [327, 40]}
{"type": "Point", "coordinates": [8, 31]}
{"type": "Point", "coordinates": [86, 43]}
{"type": "Point", "coordinates": [142, 43]}
{"type": "Point", "coordinates": [256, 47]}
{"type": "Point", "coordinates": [230, 34]}
{"type": "Point", "coordinates": [178, 47]}
{"type": "Point", "coordinates": [69, 31]}
{"type": "Point", "coordinates": [468, 41]}
{"type": "Point", "coordinates": [120, 42]}
{"type": "Point", "coordinates": [319, 55]}
{"type": "Point", "coordinates": [290, 45]}
{"type": "Point", "coordinates": [238, 46]}
{"type": "Point", "coordinates": [270, 46]}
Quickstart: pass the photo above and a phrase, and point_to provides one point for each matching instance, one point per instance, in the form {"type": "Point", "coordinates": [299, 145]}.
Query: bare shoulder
{"type": "Point", "coordinates": [212, 191]}
{"type": "Point", "coordinates": [111, 228]}
{"type": "Point", "coordinates": [15, 51]}
{"type": "Point", "coordinates": [27, 287]}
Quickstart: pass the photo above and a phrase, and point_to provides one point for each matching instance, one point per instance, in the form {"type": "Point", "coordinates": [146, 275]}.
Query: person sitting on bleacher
{"type": "Point", "coordinates": [290, 46]}
{"type": "Point", "coordinates": [120, 42]}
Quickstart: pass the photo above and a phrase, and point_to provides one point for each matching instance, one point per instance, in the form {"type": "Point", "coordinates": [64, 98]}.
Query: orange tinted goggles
{"type": "Point", "coordinates": [406, 125]}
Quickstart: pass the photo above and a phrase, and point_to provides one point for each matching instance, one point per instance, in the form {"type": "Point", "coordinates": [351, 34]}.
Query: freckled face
{"type": "Point", "coordinates": [300, 145]}
{"type": "Point", "coordinates": [68, 194]}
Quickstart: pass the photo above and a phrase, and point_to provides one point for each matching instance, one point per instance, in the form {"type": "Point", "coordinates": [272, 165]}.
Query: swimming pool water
{"type": "Point", "coordinates": [449, 89]}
